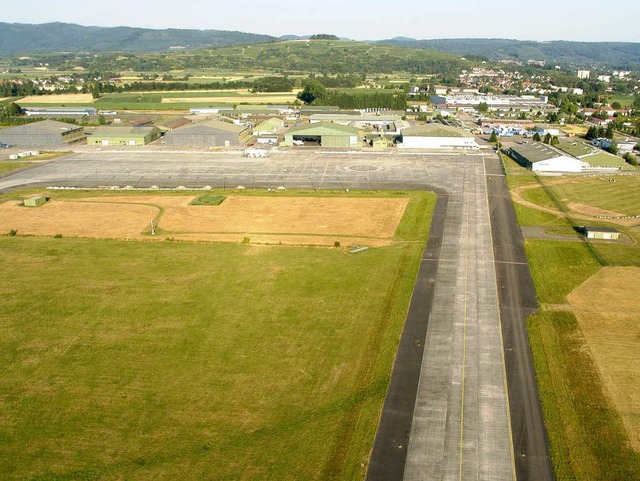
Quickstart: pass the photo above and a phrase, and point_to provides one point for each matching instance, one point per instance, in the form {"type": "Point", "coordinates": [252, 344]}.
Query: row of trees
{"type": "Point", "coordinates": [316, 93]}
{"type": "Point", "coordinates": [600, 132]}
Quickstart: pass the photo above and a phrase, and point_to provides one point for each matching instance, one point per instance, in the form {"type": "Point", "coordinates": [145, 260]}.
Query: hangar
{"type": "Point", "coordinates": [212, 133]}
{"type": "Point", "coordinates": [122, 135]}
{"type": "Point", "coordinates": [540, 157]}
{"type": "Point", "coordinates": [47, 133]}
{"type": "Point", "coordinates": [437, 136]}
{"type": "Point", "coordinates": [325, 134]}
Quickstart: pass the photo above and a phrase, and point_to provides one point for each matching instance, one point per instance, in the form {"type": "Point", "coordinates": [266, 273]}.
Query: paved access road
{"type": "Point", "coordinates": [458, 426]}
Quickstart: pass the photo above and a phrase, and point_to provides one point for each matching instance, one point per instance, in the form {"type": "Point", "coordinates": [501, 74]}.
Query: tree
{"type": "Point", "coordinates": [613, 149]}
{"type": "Point", "coordinates": [609, 132]}
{"type": "Point", "coordinates": [494, 137]}
{"type": "Point", "coordinates": [630, 159]}
{"type": "Point", "coordinates": [537, 137]}
{"type": "Point", "coordinates": [313, 89]}
{"type": "Point", "coordinates": [616, 105]}
{"type": "Point", "coordinates": [592, 133]}
{"type": "Point", "coordinates": [102, 120]}
{"type": "Point", "coordinates": [12, 109]}
{"type": "Point", "coordinates": [483, 107]}
{"type": "Point", "coordinates": [547, 138]}
{"type": "Point", "coordinates": [555, 140]}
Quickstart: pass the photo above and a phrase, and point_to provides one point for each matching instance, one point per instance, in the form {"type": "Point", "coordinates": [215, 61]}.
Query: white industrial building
{"type": "Point", "coordinates": [540, 157]}
{"type": "Point", "coordinates": [437, 136]}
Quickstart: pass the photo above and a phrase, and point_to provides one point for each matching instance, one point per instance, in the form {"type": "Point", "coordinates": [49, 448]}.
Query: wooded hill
{"type": "Point", "coordinates": [320, 56]}
{"type": "Point", "coordinates": [584, 53]}
{"type": "Point", "coordinates": [17, 38]}
{"type": "Point", "coordinates": [63, 37]}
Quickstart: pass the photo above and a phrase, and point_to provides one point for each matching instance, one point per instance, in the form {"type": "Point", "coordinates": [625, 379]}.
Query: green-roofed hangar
{"type": "Point", "coordinates": [324, 134]}
{"type": "Point", "coordinates": [437, 136]}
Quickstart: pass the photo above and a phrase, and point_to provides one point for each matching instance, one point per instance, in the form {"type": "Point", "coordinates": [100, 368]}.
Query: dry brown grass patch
{"type": "Point", "coordinates": [269, 220]}
{"type": "Point", "coordinates": [608, 312]}
{"type": "Point", "coordinates": [58, 99]}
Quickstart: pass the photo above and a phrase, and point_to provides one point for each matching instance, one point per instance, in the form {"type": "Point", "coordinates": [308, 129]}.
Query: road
{"type": "Point", "coordinates": [454, 408]}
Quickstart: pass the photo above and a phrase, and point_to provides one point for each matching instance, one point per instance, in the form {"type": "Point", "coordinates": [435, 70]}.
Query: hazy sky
{"type": "Point", "coordinates": [586, 20]}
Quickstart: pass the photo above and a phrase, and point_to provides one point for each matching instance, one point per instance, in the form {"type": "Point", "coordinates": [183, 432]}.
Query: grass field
{"type": "Point", "coordinates": [622, 195]}
{"type": "Point", "coordinates": [577, 130]}
{"type": "Point", "coordinates": [608, 318]}
{"type": "Point", "coordinates": [172, 360]}
{"type": "Point", "coordinates": [8, 166]}
{"type": "Point", "coordinates": [583, 340]}
{"type": "Point", "coordinates": [57, 99]}
{"type": "Point", "coordinates": [587, 437]}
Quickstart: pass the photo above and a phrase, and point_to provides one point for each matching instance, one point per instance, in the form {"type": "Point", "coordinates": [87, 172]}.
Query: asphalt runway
{"type": "Point", "coordinates": [458, 424]}
{"type": "Point", "coordinates": [517, 301]}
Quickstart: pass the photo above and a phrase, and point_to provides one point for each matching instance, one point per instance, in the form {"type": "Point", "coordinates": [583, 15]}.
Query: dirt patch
{"type": "Point", "coordinates": [58, 99]}
{"type": "Point", "coordinates": [591, 211]}
{"type": "Point", "coordinates": [608, 313]}
{"type": "Point", "coordinates": [265, 220]}
{"type": "Point", "coordinates": [71, 219]}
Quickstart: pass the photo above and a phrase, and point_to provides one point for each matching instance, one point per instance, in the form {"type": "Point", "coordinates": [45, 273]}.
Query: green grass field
{"type": "Point", "coordinates": [558, 267]}
{"type": "Point", "coordinates": [8, 166]}
{"type": "Point", "coordinates": [622, 195]}
{"type": "Point", "coordinates": [164, 361]}
{"type": "Point", "coordinates": [587, 438]}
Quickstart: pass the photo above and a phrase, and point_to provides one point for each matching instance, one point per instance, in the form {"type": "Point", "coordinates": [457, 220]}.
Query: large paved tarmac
{"type": "Point", "coordinates": [459, 426]}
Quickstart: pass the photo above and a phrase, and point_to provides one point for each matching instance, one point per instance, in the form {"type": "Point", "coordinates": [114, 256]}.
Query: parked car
{"type": "Point", "coordinates": [3, 145]}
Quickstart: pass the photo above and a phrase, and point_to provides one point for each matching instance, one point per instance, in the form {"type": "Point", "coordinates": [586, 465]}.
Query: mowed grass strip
{"type": "Point", "coordinates": [617, 194]}
{"type": "Point", "coordinates": [134, 360]}
{"type": "Point", "coordinates": [558, 267]}
{"type": "Point", "coordinates": [587, 438]}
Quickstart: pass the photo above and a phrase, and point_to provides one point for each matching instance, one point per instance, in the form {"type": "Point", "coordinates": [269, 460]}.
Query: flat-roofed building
{"type": "Point", "coordinates": [602, 233]}
{"type": "Point", "coordinates": [437, 136]}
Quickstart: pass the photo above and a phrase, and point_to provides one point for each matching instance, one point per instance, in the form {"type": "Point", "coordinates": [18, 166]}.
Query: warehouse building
{"type": "Point", "coordinates": [324, 134]}
{"type": "Point", "coordinates": [212, 133]}
{"type": "Point", "coordinates": [437, 136]}
{"type": "Point", "coordinates": [47, 133]}
{"type": "Point", "coordinates": [68, 112]}
{"type": "Point", "coordinates": [122, 135]}
{"type": "Point", "coordinates": [540, 157]}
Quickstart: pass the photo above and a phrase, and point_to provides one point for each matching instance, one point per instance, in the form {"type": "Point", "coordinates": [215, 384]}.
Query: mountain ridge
{"type": "Point", "coordinates": [21, 38]}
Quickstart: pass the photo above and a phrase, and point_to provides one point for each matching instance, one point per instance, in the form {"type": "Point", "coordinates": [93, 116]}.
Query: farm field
{"type": "Point", "coordinates": [181, 360]}
{"type": "Point", "coordinates": [582, 337]}
{"type": "Point", "coordinates": [273, 220]}
{"type": "Point", "coordinates": [158, 100]}
{"type": "Point", "coordinates": [58, 99]}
